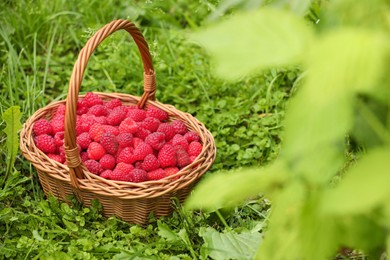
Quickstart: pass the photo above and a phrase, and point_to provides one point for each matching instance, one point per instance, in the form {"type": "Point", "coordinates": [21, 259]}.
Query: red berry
{"type": "Point", "coordinates": [142, 133]}
{"type": "Point", "coordinates": [156, 175]}
{"type": "Point", "coordinates": [58, 124]}
{"type": "Point", "coordinates": [113, 103]}
{"type": "Point", "coordinates": [101, 120]}
{"type": "Point", "coordinates": [150, 123]}
{"type": "Point", "coordinates": [116, 116]}
{"type": "Point", "coordinates": [109, 143]}
{"type": "Point", "coordinates": [192, 136]}
{"type": "Point", "coordinates": [179, 126]}
{"type": "Point", "coordinates": [60, 111]}
{"type": "Point", "coordinates": [195, 148]}
{"type": "Point", "coordinates": [171, 171]}
{"type": "Point", "coordinates": [111, 129]}
{"type": "Point", "coordinates": [155, 140]}
{"type": "Point", "coordinates": [87, 122]}
{"type": "Point", "coordinates": [96, 131]}
{"type": "Point", "coordinates": [142, 150]}
{"type": "Point", "coordinates": [98, 110]}
{"type": "Point", "coordinates": [168, 130]}
{"type": "Point", "coordinates": [106, 174]}
{"type": "Point", "coordinates": [45, 143]}
{"type": "Point", "coordinates": [128, 125]}
{"type": "Point", "coordinates": [126, 156]}
{"type": "Point", "coordinates": [139, 175]}
{"type": "Point", "coordinates": [124, 167]}
{"type": "Point", "coordinates": [56, 157]}
{"type": "Point", "coordinates": [181, 141]}
{"type": "Point", "coordinates": [157, 113]}
{"type": "Point", "coordinates": [81, 108]}
{"type": "Point", "coordinates": [137, 141]}
{"type": "Point", "coordinates": [92, 99]}
{"type": "Point", "coordinates": [84, 156]}
{"type": "Point", "coordinates": [93, 166]}
{"type": "Point", "coordinates": [167, 156]}
{"type": "Point", "coordinates": [150, 163]}
{"type": "Point", "coordinates": [136, 114]}
{"type": "Point", "coordinates": [183, 159]}
{"type": "Point", "coordinates": [125, 139]}
{"type": "Point", "coordinates": [118, 175]}
{"type": "Point", "coordinates": [42, 126]}
{"type": "Point", "coordinates": [59, 139]}
{"type": "Point", "coordinates": [107, 162]}
{"type": "Point", "coordinates": [83, 140]}
{"type": "Point", "coordinates": [95, 151]}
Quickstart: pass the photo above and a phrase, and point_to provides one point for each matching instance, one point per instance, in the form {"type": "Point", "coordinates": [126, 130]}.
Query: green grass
{"type": "Point", "coordinates": [39, 42]}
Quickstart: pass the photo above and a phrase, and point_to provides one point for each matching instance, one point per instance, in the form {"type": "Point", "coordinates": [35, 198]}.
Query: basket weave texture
{"type": "Point", "coordinates": [132, 202]}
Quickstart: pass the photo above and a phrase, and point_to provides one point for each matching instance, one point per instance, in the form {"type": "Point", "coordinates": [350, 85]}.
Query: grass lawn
{"type": "Point", "coordinates": [40, 41]}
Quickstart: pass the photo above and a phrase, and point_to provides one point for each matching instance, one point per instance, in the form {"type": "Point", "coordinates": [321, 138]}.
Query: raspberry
{"type": "Point", "coordinates": [101, 120]}
{"type": "Point", "coordinates": [56, 157]}
{"type": "Point", "coordinates": [98, 110]}
{"type": "Point", "coordinates": [155, 140]}
{"type": "Point", "coordinates": [60, 111]}
{"type": "Point", "coordinates": [96, 131]}
{"type": "Point", "coordinates": [139, 175]}
{"type": "Point", "coordinates": [167, 156]}
{"type": "Point", "coordinates": [171, 171]}
{"type": "Point", "coordinates": [181, 141]}
{"type": "Point", "coordinates": [136, 114]}
{"type": "Point", "coordinates": [142, 150]}
{"type": "Point", "coordinates": [124, 167]}
{"type": "Point", "coordinates": [183, 159]}
{"type": "Point", "coordinates": [137, 141]}
{"type": "Point", "coordinates": [156, 175]}
{"type": "Point", "coordinates": [79, 127]}
{"type": "Point", "coordinates": [93, 166]}
{"type": "Point", "coordinates": [84, 156]}
{"type": "Point", "coordinates": [150, 123]}
{"type": "Point", "coordinates": [107, 162]}
{"type": "Point", "coordinates": [128, 125]}
{"type": "Point", "coordinates": [125, 139]}
{"type": "Point", "coordinates": [42, 126]}
{"type": "Point", "coordinates": [168, 130]}
{"type": "Point", "coordinates": [59, 139]}
{"type": "Point", "coordinates": [179, 126]}
{"type": "Point", "coordinates": [192, 136]}
{"type": "Point", "coordinates": [116, 116]}
{"type": "Point", "coordinates": [118, 175]}
{"type": "Point", "coordinates": [110, 129]}
{"type": "Point", "coordinates": [126, 155]}
{"type": "Point", "coordinates": [83, 140]}
{"type": "Point", "coordinates": [81, 108]}
{"type": "Point", "coordinates": [150, 163]}
{"type": "Point", "coordinates": [92, 99]}
{"type": "Point", "coordinates": [109, 143]}
{"type": "Point", "coordinates": [95, 151]}
{"type": "Point", "coordinates": [195, 148]}
{"type": "Point", "coordinates": [157, 113]}
{"type": "Point", "coordinates": [45, 143]}
{"type": "Point", "coordinates": [113, 103]}
{"type": "Point", "coordinates": [142, 133]}
{"type": "Point", "coordinates": [106, 174]}
{"type": "Point", "coordinates": [58, 124]}
{"type": "Point", "coordinates": [87, 122]}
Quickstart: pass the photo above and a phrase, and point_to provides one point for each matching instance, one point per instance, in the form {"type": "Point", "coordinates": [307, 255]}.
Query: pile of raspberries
{"type": "Point", "coordinates": [120, 142]}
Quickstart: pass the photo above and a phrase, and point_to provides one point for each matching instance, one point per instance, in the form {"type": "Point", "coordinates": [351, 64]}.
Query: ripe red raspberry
{"type": "Point", "coordinates": [42, 126]}
{"type": "Point", "coordinates": [45, 143]}
{"type": "Point", "coordinates": [171, 171]}
{"type": "Point", "coordinates": [136, 114]}
{"type": "Point", "coordinates": [167, 156]}
{"type": "Point", "coordinates": [101, 120]}
{"type": "Point", "coordinates": [113, 103]}
{"type": "Point", "coordinates": [86, 122]}
{"type": "Point", "coordinates": [155, 140]}
{"type": "Point", "coordinates": [58, 124]}
{"type": "Point", "coordinates": [128, 125]}
{"type": "Point", "coordinates": [81, 108]}
{"type": "Point", "coordinates": [183, 159]}
{"type": "Point", "coordinates": [106, 174]}
{"type": "Point", "coordinates": [192, 136]}
{"type": "Point", "coordinates": [59, 139]}
{"type": "Point", "coordinates": [126, 155]}
{"type": "Point", "coordinates": [84, 156]}
{"type": "Point", "coordinates": [181, 141]}
{"type": "Point", "coordinates": [116, 116]}
{"type": "Point", "coordinates": [157, 113]}
{"type": "Point", "coordinates": [98, 110]}
{"type": "Point", "coordinates": [96, 131]}
{"type": "Point", "coordinates": [179, 126]}
{"type": "Point", "coordinates": [56, 157]}
{"type": "Point", "coordinates": [150, 163]}
{"type": "Point", "coordinates": [91, 99]}
{"type": "Point", "coordinates": [111, 129]}
{"type": "Point", "coordinates": [107, 162]}
{"type": "Point", "coordinates": [125, 139]}
{"type": "Point", "coordinates": [79, 127]}
{"type": "Point", "coordinates": [139, 175]}
{"type": "Point", "coordinates": [142, 133]}
{"type": "Point", "coordinates": [150, 123]}
{"type": "Point", "coordinates": [168, 130]}
{"type": "Point", "coordinates": [60, 110]}
{"type": "Point", "coordinates": [118, 175]}
{"type": "Point", "coordinates": [142, 150]}
{"type": "Point", "coordinates": [83, 140]}
{"type": "Point", "coordinates": [137, 141]}
{"type": "Point", "coordinates": [156, 175]}
{"type": "Point", "coordinates": [93, 166]}
{"type": "Point", "coordinates": [124, 167]}
{"type": "Point", "coordinates": [195, 148]}
{"type": "Point", "coordinates": [95, 151]}
{"type": "Point", "coordinates": [109, 143]}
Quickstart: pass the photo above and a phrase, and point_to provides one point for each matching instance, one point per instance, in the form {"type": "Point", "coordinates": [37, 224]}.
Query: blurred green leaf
{"type": "Point", "coordinates": [252, 41]}
{"type": "Point", "coordinates": [222, 190]}
{"type": "Point", "coordinates": [364, 187]}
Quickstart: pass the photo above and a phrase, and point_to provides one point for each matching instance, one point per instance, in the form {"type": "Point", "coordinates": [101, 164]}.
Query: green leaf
{"type": "Point", "coordinates": [252, 41]}
{"type": "Point", "coordinates": [230, 245]}
{"type": "Point", "coordinates": [165, 232]}
{"type": "Point", "coordinates": [12, 118]}
{"type": "Point", "coordinates": [364, 187]}
{"type": "Point", "coordinates": [70, 225]}
{"type": "Point", "coordinates": [221, 190]}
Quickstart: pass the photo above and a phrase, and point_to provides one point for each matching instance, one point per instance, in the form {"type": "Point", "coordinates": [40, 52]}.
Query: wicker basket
{"type": "Point", "coordinates": [129, 201]}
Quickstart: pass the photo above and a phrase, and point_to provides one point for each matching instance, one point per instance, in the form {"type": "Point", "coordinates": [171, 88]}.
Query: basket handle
{"type": "Point", "coordinates": [72, 154]}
